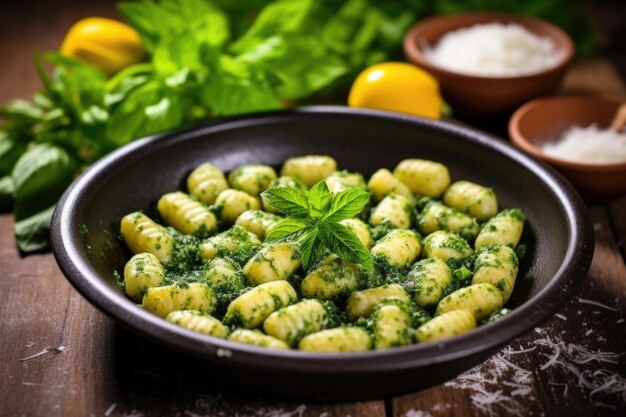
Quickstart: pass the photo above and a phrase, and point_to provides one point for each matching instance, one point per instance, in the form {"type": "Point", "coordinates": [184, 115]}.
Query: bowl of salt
{"type": "Point", "coordinates": [490, 63]}
{"type": "Point", "coordinates": [583, 137]}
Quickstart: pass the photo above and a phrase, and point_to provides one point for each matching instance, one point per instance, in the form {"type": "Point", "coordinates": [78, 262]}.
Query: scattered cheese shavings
{"type": "Point", "coordinates": [597, 304]}
{"type": "Point", "coordinates": [36, 355]}
{"type": "Point", "coordinates": [496, 384]}
{"type": "Point", "coordinates": [561, 316]}
{"type": "Point", "coordinates": [43, 352]}
{"type": "Point", "coordinates": [29, 344]}
{"type": "Point", "coordinates": [518, 352]}
{"type": "Point", "coordinates": [110, 410]}
{"type": "Point", "coordinates": [417, 413]}
{"type": "Point", "coordinates": [552, 360]}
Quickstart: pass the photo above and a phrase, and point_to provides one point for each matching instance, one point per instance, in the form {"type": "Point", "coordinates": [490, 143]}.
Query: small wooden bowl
{"type": "Point", "coordinates": [485, 96]}
{"type": "Point", "coordinates": [546, 118]}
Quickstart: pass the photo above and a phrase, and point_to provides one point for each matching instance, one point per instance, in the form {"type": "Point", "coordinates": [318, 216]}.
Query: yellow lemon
{"type": "Point", "coordinates": [105, 43]}
{"type": "Point", "coordinates": [399, 87]}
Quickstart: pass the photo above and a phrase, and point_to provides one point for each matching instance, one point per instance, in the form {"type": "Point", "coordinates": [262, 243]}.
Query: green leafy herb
{"type": "Point", "coordinates": [40, 176]}
{"type": "Point", "coordinates": [313, 221]}
{"type": "Point", "coordinates": [212, 58]}
{"type": "Point", "coordinates": [462, 275]}
{"type": "Point", "coordinates": [7, 189]}
{"type": "Point", "coordinates": [32, 232]}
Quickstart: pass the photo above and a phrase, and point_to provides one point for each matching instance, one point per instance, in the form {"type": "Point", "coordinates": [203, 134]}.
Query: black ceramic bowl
{"type": "Point", "coordinates": [558, 235]}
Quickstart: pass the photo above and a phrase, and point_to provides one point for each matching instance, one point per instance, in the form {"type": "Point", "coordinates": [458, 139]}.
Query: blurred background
{"type": "Point", "coordinates": [88, 86]}
{"type": "Point", "coordinates": [598, 27]}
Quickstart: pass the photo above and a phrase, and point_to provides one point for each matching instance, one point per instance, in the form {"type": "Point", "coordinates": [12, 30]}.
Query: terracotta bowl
{"type": "Point", "coordinates": [546, 118]}
{"type": "Point", "coordinates": [481, 96]}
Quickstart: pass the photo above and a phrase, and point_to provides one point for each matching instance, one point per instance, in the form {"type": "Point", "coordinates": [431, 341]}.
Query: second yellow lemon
{"type": "Point", "coordinates": [399, 87]}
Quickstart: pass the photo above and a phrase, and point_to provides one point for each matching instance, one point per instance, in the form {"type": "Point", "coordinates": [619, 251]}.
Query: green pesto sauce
{"type": "Point", "coordinates": [118, 280]}
{"type": "Point", "coordinates": [187, 266]}
{"type": "Point", "coordinates": [385, 273]}
{"type": "Point", "coordinates": [379, 231]}
{"type": "Point", "coordinates": [226, 291]}
{"type": "Point", "coordinates": [246, 247]}
{"type": "Point", "coordinates": [514, 213]}
{"type": "Point", "coordinates": [186, 254]}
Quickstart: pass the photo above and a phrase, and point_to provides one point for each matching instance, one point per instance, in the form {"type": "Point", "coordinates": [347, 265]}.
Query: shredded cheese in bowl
{"type": "Point", "coordinates": [494, 50]}
{"type": "Point", "coordinates": [589, 145]}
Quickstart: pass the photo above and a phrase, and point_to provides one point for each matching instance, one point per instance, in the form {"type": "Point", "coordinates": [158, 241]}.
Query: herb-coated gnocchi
{"type": "Point", "coordinates": [236, 265]}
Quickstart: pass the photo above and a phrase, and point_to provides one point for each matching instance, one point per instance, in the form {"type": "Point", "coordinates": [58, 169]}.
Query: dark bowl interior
{"type": "Point", "coordinates": [558, 235]}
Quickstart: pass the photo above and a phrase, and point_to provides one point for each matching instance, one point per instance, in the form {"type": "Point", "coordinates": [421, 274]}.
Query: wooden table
{"type": "Point", "coordinates": [59, 356]}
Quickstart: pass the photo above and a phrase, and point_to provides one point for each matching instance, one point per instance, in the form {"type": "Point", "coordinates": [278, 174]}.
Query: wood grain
{"type": "Point", "coordinates": [517, 381]}
{"type": "Point", "coordinates": [617, 211]}
{"type": "Point", "coordinates": [27, 27]}
{"type": "Point", "coordinates": [103, 368]}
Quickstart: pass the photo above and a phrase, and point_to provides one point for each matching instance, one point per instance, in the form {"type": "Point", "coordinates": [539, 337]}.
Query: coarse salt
{"type": "Point", "coordinates": [495, 50]}
{"type": "Point", "coordinates": [589, 145]}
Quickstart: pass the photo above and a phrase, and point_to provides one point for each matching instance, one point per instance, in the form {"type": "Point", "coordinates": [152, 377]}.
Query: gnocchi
{"type": "Point", "coordinates": [443, 259]}
{"type": "Point", "coordinates": [309, 169]}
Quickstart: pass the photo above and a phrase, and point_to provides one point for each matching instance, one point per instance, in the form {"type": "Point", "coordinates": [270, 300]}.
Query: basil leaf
{"type": "Point", "coordinates": [10, 151]}
{"type": "Point", "coordinates": [306, 66]}
{"type": "Point", "coordinates": [308, 243]}
{"type": "Point", "coordinates": [279, 17]}
{"type": "Point", "coordinates": [168, 18]}
{"type": "Point", "coordinates": [177, 52]}
{"type": "Point", "coordinates": [21, 112]}
{"type": "Point", "coordinates": [75, 84]}
{"type": "Point", "coordinates": [41, 100]}
{"type": "Point", "coordinates": [234, 88]}
{"type": "Point", "coordinates": [149, 109]}
{"type": "Point", "coordinates": [148, 18]}
{"type": "Point", "coordinates": [212, 27]}
{"type": "Point", "coordinates": [301, 65]}
{"type": "Point", "coordinates": [126, 81]}
{"type": "Point", "coordinates": [319, 199]}
{"type": "Point", "coordinates": [7, 190]}
{"type": "Point", "coordinates": [285, 228]}
{"type": "Point", "coordinates": [462, 274]}
{"type": "Point", "coordinates": [344, 243]}
{"type": "Point", "coordinates": [40, 176]}
{"type": "Point", "coordinates": [289, 200]}
{"type": "Point", "coordinates": [32, 233]}
{"type": "Point", "coordinates": [346, 204]}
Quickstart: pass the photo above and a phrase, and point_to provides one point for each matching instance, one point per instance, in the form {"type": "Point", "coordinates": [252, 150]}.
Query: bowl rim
{"type": "Point", "coordinates": [413, 50]}
{"type": "Point", "coordinates": [66, 244]}
{"type": "Point", "coordinates": [523, 143]}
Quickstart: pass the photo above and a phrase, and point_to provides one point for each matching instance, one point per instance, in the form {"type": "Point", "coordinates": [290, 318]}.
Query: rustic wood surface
{"type": "Point", "coordinates": [573, 364]}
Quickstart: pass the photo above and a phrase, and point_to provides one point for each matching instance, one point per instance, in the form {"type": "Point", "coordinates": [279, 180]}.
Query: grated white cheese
{"type": "Point", "coordinates": [597, 304]}
{"type": "Point", "coordinates": [503, 384]}
{"type": "Point", "coordinates": [589, 145]}
{"type": "Point", "coordinates": [494, 50]}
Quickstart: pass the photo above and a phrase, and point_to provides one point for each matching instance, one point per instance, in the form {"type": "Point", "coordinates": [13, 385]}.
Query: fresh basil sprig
{"type": "Point", "coordinates": [313, 218]}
